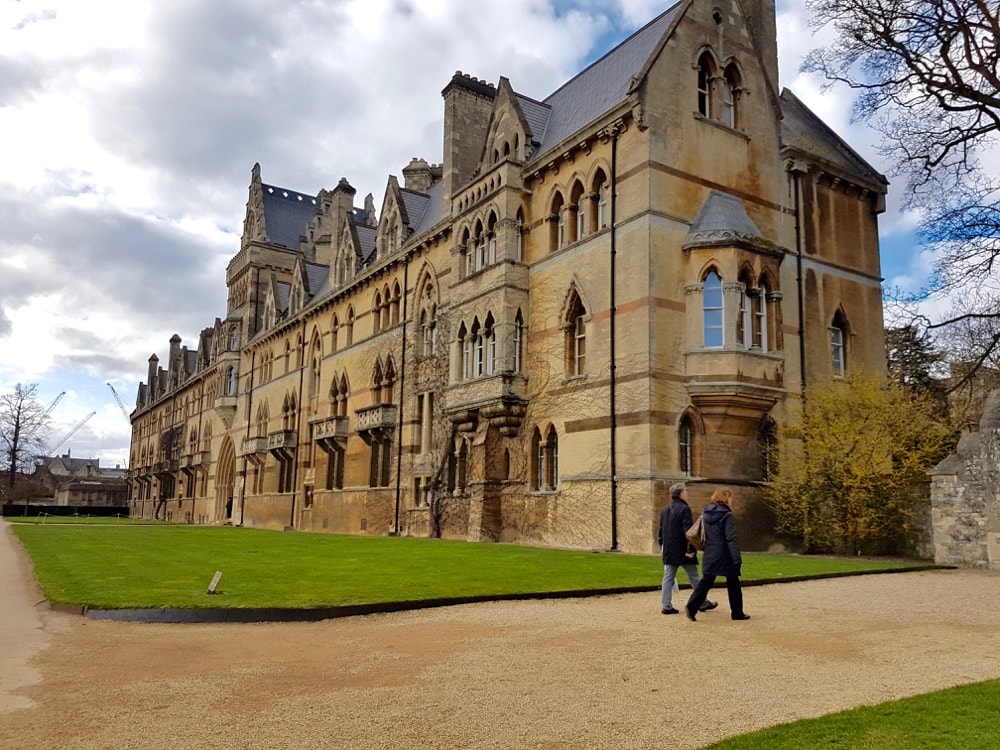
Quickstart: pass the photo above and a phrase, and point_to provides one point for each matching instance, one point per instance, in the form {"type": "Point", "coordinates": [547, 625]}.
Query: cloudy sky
{"type": "Point", "coordinates": [128, 129]}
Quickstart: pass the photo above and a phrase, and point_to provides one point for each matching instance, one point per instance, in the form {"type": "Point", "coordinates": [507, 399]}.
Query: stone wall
{"type": "Point", "coordinates": [965, 497]}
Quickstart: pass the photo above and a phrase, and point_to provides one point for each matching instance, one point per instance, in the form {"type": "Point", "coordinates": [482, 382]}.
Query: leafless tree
{"type": "Point", "coordinates": [23, 429]}
{"type": "Point", "coordinates": [926, 72]}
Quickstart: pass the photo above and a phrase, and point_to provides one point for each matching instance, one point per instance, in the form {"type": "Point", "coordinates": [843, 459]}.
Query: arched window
{"type": "Point", "coordinates": [389, 381]}
{"type": "Point", "coordinates": [315, 365]}
{"type": "Point", "coordinates": [838, 343]}
{"type": "Point", "coordinates": [548, 461]}
{"type": "Point", "coordinates": [518, 341]}
{"type": "Point", "coordinates": [466, 255]}
{"type": "Point", "coordinates": [712, 311]}
{"type": "Point", "coordinates": [478, 349]}
{"type": "Point", "coordinates": [334, 325]}
{"type": "Point", "coordinates": [234, 339]}
{"type": "Point", "coordinates": [480, 243]}
{"type": "Point", "coordinates": [349, 327]}
{"type": "Point", "coordinates": [576, 336]}
{"type": "Point", "coordinates": [685, 440]}
{"type": "Point", "coordinates": [520, 235]}
{"type": "Point", "coordinates": [579, 209]}
{"type": "Point", "coordinates": [394, 305]}
{"type": "Point", "coordinates": [760, 322]}
{"type": "Point", "coordinates": [557, 237]}
{"type": "Point", "coordinates": [768, 442]}
{"type": "Point", "coordinates": [745, 321]}
{"type": "Point", "coordinates": [491, 239]}
{"type": "Point", "coordinates": [706, 71]}
{"type": "Point", "coordinates": [465, 347]}
{"type": "Point", "coordinates": [544, 461]}
{"type": "Point", "coordinates": [730, 97]}
{"type": "Point", "coordinates": [601, 215]}
{"type": "Point", "coordinates": [490, 344]}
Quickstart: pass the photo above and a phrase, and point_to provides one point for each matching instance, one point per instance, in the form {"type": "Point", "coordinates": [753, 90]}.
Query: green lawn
{"type": "Point", "coordinates": [142, 566]}
{"type": "Point", "coordinates": [965, 718]}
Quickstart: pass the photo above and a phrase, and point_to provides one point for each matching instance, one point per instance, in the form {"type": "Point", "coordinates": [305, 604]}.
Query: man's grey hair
{"type": "Point", "coordinates": [677, 489]}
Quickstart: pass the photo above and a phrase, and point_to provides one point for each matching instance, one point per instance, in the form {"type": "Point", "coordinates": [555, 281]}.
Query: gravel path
{"type": "Point", "coordinates": [582, 673]}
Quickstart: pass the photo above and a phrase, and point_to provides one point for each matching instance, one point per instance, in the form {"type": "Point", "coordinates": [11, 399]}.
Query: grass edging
{"type": "Point", "coordinates": [314, 614]}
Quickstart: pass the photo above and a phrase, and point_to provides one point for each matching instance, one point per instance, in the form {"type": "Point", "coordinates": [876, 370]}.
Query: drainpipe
{"type": "Point", "coordinates": [796, 177]}
{"type": "Point", "coordinates": [402, 380]}
{"type": "Point", "coordinates": [614, 420]}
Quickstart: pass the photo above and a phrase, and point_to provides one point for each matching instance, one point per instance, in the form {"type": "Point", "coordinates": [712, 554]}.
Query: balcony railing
{"type": "Point", "coordinates": [335, 428]}
{"type": "Point", "coordinates": [376, 417]}
{"type": "Point", "coordinates": [253, 445]}
{"type": "Point", "coordinates": [281, 440]}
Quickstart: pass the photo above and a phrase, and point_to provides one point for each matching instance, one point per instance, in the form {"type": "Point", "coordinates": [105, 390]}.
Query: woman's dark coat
{"type": "Point", "coordinates": [675, 519]}
{"type": "Point", "coordinates": [722, 552]}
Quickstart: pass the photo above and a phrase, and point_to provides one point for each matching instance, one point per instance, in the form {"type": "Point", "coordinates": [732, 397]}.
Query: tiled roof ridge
{"type": "Point", "coordinates": [287, 193]}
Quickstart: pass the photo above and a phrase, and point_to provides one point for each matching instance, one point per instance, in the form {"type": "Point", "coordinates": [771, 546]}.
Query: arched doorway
{"type": "Point", "coordinates": [225, 472]}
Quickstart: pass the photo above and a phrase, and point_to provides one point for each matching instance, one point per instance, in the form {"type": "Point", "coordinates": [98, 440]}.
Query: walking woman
{"type": "Point", "coordinates": [721, 557]}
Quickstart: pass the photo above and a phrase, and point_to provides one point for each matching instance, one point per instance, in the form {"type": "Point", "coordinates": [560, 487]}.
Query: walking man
{"type": "Point", "coordinates": [675, 519]}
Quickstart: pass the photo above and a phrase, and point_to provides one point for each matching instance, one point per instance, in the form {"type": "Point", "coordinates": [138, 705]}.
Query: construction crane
{"type": "Point", "coordinates": [52, 406]}
{"type": "Point", "coordinates": [121, 405]}
{"type": "Point", "coordinates": [71, 433]}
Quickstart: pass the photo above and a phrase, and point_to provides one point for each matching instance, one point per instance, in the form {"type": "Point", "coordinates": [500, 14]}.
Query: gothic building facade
{"type": "Point", "coordinates": [592, 296]}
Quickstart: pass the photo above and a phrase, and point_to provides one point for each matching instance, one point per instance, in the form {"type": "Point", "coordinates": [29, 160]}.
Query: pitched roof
{"type": "Point", "coordinates": [804, 131]}
{"type": "Point", "coordinates": [603, 85]}
{"type": "Point", "coordinates": [286, 214]}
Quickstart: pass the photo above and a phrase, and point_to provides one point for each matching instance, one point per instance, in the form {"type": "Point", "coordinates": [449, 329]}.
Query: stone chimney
{"type": "Point", "coordinates": [154, 363]}
{"type": "Point", "coordinates": [174, 363]}
{"type": "Point", "coordinates": [468, 104]}
{"type": "Point", "coordinates": [417, 176]}
{"type": "Point", "coordinates": [761, 21]}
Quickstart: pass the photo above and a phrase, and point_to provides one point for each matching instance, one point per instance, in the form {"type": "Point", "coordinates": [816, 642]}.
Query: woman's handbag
{"type": "Point", "coordinates": [696, 534]}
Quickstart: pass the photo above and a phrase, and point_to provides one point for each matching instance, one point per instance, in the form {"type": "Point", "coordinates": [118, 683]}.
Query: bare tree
{"type": "Point", "coordinates": [23, 429]}
{"type": "Point", "coordinates": [927, 76]}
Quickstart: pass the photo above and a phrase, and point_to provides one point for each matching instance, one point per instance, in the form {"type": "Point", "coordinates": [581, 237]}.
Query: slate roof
{"type": "Point", "coordinates": [366, 238]}
{"type": "Point", "coordinates": [286, 214]}
{"type": "Point", "coordinates": [722, 218]}
{"type": "Point", "coordinates": [415, 205]}
{"type": "Point", "coordinates": [316, 276]}
{"type": "Point", "coordinates": [432, 212]}
{"type": "Point", "coordinates": [281, 290]}
{"type": "Point", "coordinates": [603, 85]}
{"type": "Point", "coordinates": [803, 130]}
{"type": "Point", "coordinates": [536, 114]}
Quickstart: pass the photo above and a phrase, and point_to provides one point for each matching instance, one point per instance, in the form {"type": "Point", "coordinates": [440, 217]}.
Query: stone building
{"type": "Point", "coordinates": [81, 482]}
{"type": "Point", "coordinates": [592, 295]}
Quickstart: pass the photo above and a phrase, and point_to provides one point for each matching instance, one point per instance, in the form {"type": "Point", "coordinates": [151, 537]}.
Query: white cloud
{"type": "Point", "coordinates": [130, 128]}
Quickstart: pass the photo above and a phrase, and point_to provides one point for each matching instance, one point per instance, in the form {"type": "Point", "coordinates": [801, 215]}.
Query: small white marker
{"type": "Point", "coordinates": [215, 581]}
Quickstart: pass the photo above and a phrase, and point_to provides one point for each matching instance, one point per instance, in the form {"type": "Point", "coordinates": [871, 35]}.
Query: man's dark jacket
{"type": "Point", "coordinates": [675, 519]}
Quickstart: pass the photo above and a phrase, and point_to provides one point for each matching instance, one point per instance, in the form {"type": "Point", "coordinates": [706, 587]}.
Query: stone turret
{"type": "Point", "coordinates": [154, 363]}
{"type": "Point", "coordinates": [468, 105]}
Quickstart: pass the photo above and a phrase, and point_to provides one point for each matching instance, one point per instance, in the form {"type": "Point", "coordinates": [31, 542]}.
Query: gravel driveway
{"type": "Point", "coordinates": [582, 673]}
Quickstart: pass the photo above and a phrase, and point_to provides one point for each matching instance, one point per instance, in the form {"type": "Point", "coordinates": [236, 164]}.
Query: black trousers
{"type": "Point", "coordinates": [700, 594]}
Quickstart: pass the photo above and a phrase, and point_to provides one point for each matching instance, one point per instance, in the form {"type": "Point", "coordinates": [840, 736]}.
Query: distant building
{"type": "Point", "coordinates": [80, 482]}
{"type": "Point", "coordinates": [593, 296]}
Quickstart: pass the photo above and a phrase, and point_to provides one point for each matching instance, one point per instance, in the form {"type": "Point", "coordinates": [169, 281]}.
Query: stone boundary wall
{"type": "Point", "coordinates": [965, 497]}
